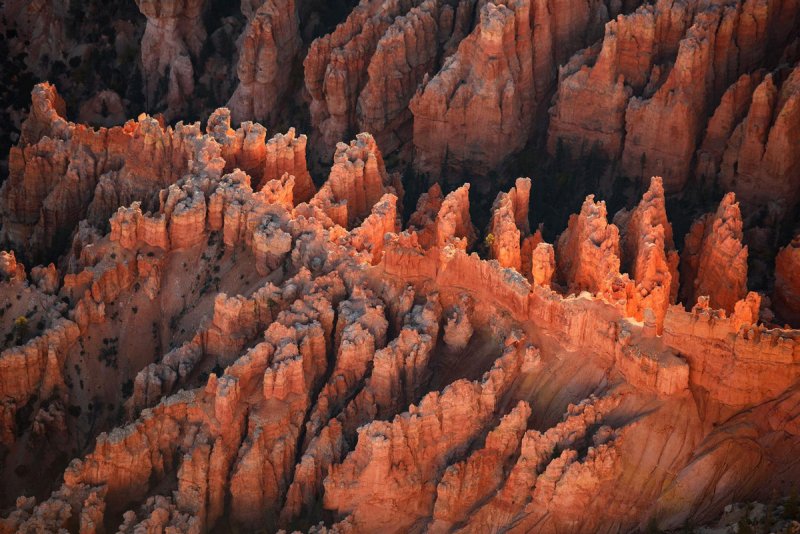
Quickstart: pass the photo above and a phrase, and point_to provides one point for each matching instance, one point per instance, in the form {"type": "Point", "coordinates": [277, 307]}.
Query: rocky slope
{"type": "Point", "coordinates": [231, 347]}
{"type": "Point", "coordinates": [332, 306]}
{"type": "Point", "coordinates": [654, 80]}
{"type": "Point", "coordinates": [703, 94]}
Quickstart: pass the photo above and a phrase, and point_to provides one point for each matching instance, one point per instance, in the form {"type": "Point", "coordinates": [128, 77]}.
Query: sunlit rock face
{"type": "Point", "coordinates": [279, 266]}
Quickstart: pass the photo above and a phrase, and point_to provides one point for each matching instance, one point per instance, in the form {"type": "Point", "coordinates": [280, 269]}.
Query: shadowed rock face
{"type": "Point", "coordinates": [454, 91]}
{"type": "Point", "coordinates": [270, 43]}
{"type": "Point", "coordinates": [327, 306]}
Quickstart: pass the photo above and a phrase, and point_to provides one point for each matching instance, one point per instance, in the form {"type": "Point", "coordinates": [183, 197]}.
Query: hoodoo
{"type": "Point", "coordinates": [426, 266]}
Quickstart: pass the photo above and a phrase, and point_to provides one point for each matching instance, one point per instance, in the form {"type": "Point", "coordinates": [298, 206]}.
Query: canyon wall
{"type": "Point", "coordinates": [301, 361]}
{"type": "Point", "coordinates": [354, 324]}
{"type": "Point", "coordinates": [673, 84]}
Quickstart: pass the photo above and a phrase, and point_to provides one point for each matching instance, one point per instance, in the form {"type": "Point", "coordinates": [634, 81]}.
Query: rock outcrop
{"type": "Point", "coordinates": [220, 344]}
{"type": "Point", "coordinates": [649, 255]}
{"type": "Point", "coordinates": [453, 222]}
{"type": "Point", "coordinates": [787, 282]}
{"type": "Point", "coordinates": [173, 37]}
{"type": "Point", "coordinates": [457, 414]}
{"type": "Point", "coordinates": [714, 261]}
{"type": "Point", "coordinates": [509, 224]}
{"type": "Point", "coordinates": [247, 148]}
{"type": "Point", "coordinates": [760, 163]}
{"type": "Point", "coordinates": [466, 484]}
{"type": "Point", "coordinates": [269, 45]}
{"type": "Point", "coordinates": [472, 115]}
{"type": "Point", "coordinates": [677, 107]}
{"type": "Point", "coordinates": [644, 95]}
{"type": "Point", "coordinates": [482, 105]}
{"type": "Point", "coordinates": [410, 49]}
{"type": "Point", "coordinates": [587, 254]}
{"type": "Point", "coordinates": [732, 109]}
{"type": "Point", "coordinates": [543, 264]}
{"type": "Point", "coordinates": [362, 76]}
{"type": "Point", "coordinates": [64, 172]}
{"type": "Point", "coordinates": [357, 181]}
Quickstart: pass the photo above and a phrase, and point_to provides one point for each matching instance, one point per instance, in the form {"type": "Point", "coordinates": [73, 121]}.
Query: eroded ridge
{"type": "Point", "coordinates": [224, 345]}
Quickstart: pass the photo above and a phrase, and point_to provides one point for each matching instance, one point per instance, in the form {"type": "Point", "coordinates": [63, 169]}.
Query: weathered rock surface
{"type": "Point", "coordinates": [732, 109]}
{"type": "Point", "coordinates": [222, 345]}
{"type": "Point", "coordinates": [453, 222]}
{"type": "Point", "coordinates": [662, 131]}
{"type": "Point", "coordinates": [645, 95]}
{"type": "Point", "coordinates": [357, 181]}
{"type": "Point", "coordinates": [543, 264]}
{"type": "Point", "coordinates": [471, 115]}
{"type": "Point", "coordinates": [269, 45]}
{"type": "Point", "coordinates": [509, 224]}
{"type": "Point", "coordinates": [173, 37]}
{"type": "Point", "coordinates": [466, 484]}
{"type": "Point", "coordinates": [64, 172]}
{"type": "Point", "coordinates": [481, 106]}
{"type": "Point", "coordinates": [409, 50]}
{"type": "Point", "coordinates": [588, 251]}
{"type": "Point", "coordinates": [649, 256]}
{"type": "Point", "coordinates": [362, 76]}
{"type": "Point", "coordinates": [760, 163]}
{"type": "Point", "coordinates": [422, 438]}
{"type": "Point", "coordinates": [714, 261]}
{"type": "Point", "coordinates": [787, 282]}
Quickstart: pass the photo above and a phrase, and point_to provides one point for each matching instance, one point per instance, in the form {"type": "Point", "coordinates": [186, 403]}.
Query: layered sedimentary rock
{"type": "Point", "coordinates": [509, 224]}
{"type": "Point", "coordinates": [409, 50]}
{"type": "Point", "coordinates": [363, 74]}
{"type": "Point", "coordinates": [481, 107]}
{"type": "Point", "coordinates": [453, 222]}
{"type": "Point", "coordinates": [581, 129]}
{"type": "Point", "coordinates": [543, 264]}
{"type": "Point", "coordinates": [714, 261]}
{"type": "Point", "coordinates": [732, 109]}
{"type": "Point", "coordinates": [236, 349]}
{"type": "Point", "coordinates": [423, 220]}
{"type": "Point", "coordinates": [286, 153]}
{"type": "Point", "coordinates": [465, 484]}
{"type": "Point", "coordinates": [247, 148]}
{"type": "Point", "coordinates": [173, 37]}
{"type": "Point", "coordinates": [269, 45]}
{"type": "Point", "coordinates": [787, 282]}
{"type": "Point", "coordinates": [358, 179]}
{"type": "Point", "coordinates": [475, 112]}
{"type": "Point", "coordinates": [588, 251]}
{"type": "Point", "coordinates": [677, 107]}
{"type": "Point", "coordinates": [65, 172]}
{"type": "Point", "coordinates": [645, 94]}
{"type": "Point", "coordinates": [760, 163]}
{"type": "Point", "coordinates": [649, 255]}
{"type": "Point", "coordinates": [457, 414]}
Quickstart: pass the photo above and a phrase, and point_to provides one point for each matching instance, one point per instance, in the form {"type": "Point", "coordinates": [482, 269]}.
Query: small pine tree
{"type": "Point", "coordinates": [21, 327]}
